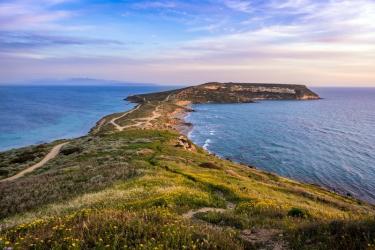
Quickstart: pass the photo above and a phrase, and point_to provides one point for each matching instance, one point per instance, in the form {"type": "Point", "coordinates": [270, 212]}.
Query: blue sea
{"type": "Point", "coordinates": [329, 142]}
{"type": "Point", "coordinates": [38, 114]}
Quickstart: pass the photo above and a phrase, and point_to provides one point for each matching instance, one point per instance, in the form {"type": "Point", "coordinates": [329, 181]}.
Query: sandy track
{"type": "Point", "coordinates": [52, 154]}
{"type": "Point", "coordinates": [121, 128]}
{"type": "Point", "coordinates": [144, 121]}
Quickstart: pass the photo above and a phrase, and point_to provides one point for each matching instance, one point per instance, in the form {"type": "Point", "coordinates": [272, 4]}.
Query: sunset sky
{"type": "Point", "coordinates": [314, 42]}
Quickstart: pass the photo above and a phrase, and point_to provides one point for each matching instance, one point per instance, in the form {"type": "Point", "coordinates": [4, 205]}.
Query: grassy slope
{"type": "Point", "coordinates": [131, 189]}
{"type": "Point", "coordinates": [16, 160]}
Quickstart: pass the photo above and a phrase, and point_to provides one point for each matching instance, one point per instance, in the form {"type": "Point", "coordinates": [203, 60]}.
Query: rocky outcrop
{"type": "Point", "coordinates": [215, 92]}
{"type": "Point", "coordinates": [184, 143]}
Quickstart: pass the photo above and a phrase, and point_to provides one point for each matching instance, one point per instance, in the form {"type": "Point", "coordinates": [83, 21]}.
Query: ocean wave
{"type": "Point", "coordinates": [206, 144]}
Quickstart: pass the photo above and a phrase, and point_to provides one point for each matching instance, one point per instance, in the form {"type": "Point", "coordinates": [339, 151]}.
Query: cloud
{"type": "Point", "coordinates": [288, 40]}
{"type": "Point", "coordinates": [328, 40]}
{"type": "Point", "coordinates": [21, 15]}
{"type": "Point", "coordinates": [26, 40]}
{"type": "Point", "coordinates": [155, 4]}
{"type": "Point", "coordinates": [239, 5]}
{"type": "Point", "coordinates": [292, 4]}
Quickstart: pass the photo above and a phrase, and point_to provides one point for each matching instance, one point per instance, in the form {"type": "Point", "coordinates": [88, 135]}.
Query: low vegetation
{"type": "Point", "coordinates": [135, 189]}
{"type": "Point", "coordinates": [14, 161]}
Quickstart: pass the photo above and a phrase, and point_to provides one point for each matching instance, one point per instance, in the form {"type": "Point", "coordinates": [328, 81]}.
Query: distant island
{"type": "Point", "coordinates": [136, 182]}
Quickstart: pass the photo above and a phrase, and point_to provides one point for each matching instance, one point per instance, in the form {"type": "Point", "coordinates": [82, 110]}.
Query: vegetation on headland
{"type": "Point", "coordinates": [13, 161]}
{"type": "Point", "coordinates": [148, 187]}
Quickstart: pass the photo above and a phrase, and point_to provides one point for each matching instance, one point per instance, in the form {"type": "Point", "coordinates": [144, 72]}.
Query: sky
{"type": "Point", "coordinates": [313, 42]}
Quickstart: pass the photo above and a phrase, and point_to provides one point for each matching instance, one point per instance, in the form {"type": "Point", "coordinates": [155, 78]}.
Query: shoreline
{"type": "Point", "coordinates": [184, 128]}
{"type": "Point", "coordinates": [175, 121]}
{"type": "Point", "coordinates": [139, 162]}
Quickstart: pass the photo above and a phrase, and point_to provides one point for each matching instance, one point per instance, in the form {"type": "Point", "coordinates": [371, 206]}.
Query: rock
{"type": "Point", "coordinates": [184, 143]}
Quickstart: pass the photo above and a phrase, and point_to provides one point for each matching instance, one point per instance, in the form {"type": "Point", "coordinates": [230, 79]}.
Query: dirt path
{"type": "Point", "coordinates": [99, 126]}
{"type": "Point", "coordinates": [145, 121]}
{"type": "Point", "coordinates": [155, 114]}
{"type": "Point", "coordinates": [167, 98]}
{"type": "Point", "coordinates": [121, 128]}
{"type": "Point", "coordinates": [140, 122]}
{"type": "Point", "coordinates": [190, 214]}
{"type": "Point", "coordinates": [268, 238]}
{"type": "Point", "coordinates": [52, 154]}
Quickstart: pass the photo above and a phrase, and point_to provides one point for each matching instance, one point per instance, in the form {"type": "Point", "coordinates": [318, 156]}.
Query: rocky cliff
{"type": "Point", "coordinates": [216, 92]}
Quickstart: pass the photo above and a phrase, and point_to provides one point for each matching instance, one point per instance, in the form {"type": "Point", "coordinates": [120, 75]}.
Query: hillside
{"type": "Point", "coordinates": [134, 182]}
{"type": "Point", "coordinates": [231, 93]}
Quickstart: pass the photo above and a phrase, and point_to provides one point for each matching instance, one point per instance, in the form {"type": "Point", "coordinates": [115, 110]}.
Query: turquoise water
{"type": "Point", "coordinates": [37, 114]}
{"type": "Point", "coordinates": [330, 142]}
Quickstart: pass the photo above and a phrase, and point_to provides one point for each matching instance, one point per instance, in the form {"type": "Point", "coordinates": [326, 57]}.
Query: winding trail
{"type": "Point", "coordinates": [268, 238]}
{"type": "Point", "coordinates": [121, 128]}
{"type": "Point", "coordinates": [52, 154]}
{"type": "Point", "coordinates": [145, 121]}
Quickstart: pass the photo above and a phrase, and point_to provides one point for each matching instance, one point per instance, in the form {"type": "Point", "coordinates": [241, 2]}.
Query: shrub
{"type": "Point", "coordinates": [67, 150]}
{"type": "Point", "coordinates": [4, 172]}
{"type": "Point", "coordinates": [266, 208]}
{"type": "Point", "coordinates": [297, 213]}
{"type": "Point", "coordinates": [245, 207]}
{"type": "Point", "coordinates": [209, 165]}
{"type": "Point", "coordinates": [24, 157]}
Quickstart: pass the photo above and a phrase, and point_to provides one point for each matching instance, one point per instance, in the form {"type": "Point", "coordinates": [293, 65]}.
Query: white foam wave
{"type": "Point", "coordinates": [206, 144]}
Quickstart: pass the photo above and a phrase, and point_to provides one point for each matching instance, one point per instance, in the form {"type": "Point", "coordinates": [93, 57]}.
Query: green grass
{"type": "Point", "coordinates": [16, 160]}
{"type": "Point", "coordinates": [156, 228]}
{"type": "Point", "coordinates": [129, 190]}
{"type": "Point", "coordinates": [335, 235]}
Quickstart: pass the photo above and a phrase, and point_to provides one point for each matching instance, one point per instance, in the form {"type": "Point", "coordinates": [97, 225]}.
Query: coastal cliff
{"type": "Point", "coordinates": [215, 92]}
{"type": "Point", "coordinates": [134, 182]}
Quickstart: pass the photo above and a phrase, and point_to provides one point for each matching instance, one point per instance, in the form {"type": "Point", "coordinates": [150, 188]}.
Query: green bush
{"type": "Point", "coordinates": [297, 213]}
{"type": "Point", "coordinates": [68, 150]}
{"type": "Point", "coordinates": [3, 172]}
{"type": "Point", "coordinates": [209, 165]}
{"type": "Point", "coordinates": [24, 157]}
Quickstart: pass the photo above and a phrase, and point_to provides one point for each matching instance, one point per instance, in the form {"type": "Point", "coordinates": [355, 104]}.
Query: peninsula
{"type": "Point", "coordinates": [215, 92]}
{"type": "Point", "coordinates": [136, 182]}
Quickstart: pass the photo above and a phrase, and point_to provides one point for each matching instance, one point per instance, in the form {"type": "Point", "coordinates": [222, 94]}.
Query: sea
{"type": "Point", "coordinates": [328, 142]}
{"type": "Point", "coordinates": [39, 114]}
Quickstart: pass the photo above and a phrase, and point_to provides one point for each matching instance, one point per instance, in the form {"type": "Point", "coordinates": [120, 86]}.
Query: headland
{"type": "Point", "coordinates": [135, 182]}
